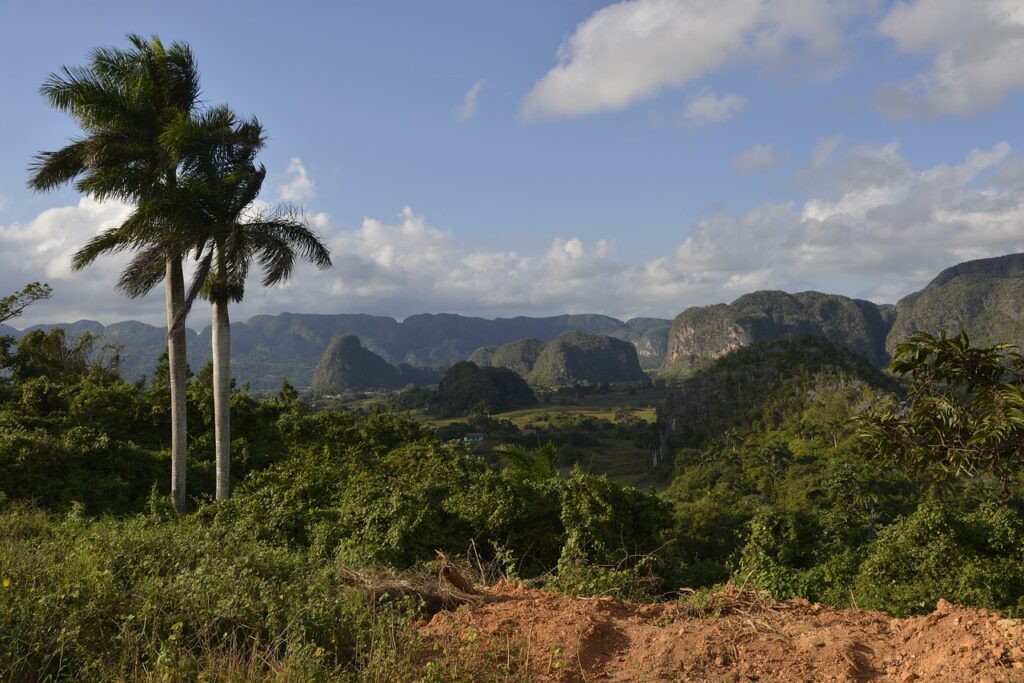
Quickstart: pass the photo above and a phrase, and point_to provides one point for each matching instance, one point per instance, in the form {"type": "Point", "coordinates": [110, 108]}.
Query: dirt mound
{"type": "Point", "coordinates": [737, 636]}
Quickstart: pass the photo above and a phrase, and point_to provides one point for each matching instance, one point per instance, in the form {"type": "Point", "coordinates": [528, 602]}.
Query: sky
{"type": "Point", "coordinates": [534, 157]}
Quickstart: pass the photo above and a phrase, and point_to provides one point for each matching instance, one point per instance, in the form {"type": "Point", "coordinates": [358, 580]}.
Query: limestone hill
{"type": "Point", "coordinates": [347, 366]}
{"type": "Point", "coordinates": [984, 297]}
{"type": "Point", "coordinates": [701, 334]}
{"type": "Point", "coordinates": [467, 387]}
{"type": "Point", "coordinates": [571, 358]}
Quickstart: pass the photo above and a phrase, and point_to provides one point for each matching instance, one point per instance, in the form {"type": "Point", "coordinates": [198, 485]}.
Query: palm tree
{"type": "Point", "coordinates": [223, 181]}
{"type": "Point", "coordinates": [127, 101]}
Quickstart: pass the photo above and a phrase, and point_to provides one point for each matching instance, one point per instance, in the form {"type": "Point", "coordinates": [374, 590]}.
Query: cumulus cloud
{"type": "Point", "coordinates": [757, 159]}
{"type": "Point", "coordinates": [299, 187]}
{"type": "Point", "coordinates": [707, 107]}
{"type": "Point", "coordinates": [630, 50]}
{"type": "Point", "coordinates": [41, 249]}
{"type": "Point", "coordinates": [976, 49]}
{"type": "Point", "coordinates": [874, 226]}
{"type": "Point", "coordinates": [469, 106]}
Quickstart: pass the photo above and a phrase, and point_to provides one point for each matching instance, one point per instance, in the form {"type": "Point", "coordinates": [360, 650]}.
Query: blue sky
{"type": "Point", "coordinates": [537, 157]}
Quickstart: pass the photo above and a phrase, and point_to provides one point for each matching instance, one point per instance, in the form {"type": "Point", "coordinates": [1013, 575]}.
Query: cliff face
{"type": "Point", "coordinates": [650, 337]}
{"type": "Point", "coordinates": [983, 297]}
{"type": "Point", "coordinates": [701, 334]}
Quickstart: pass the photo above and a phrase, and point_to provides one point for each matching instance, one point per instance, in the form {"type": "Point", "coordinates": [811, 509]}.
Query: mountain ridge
{"type": "Point", "coordinates": [983, 296]}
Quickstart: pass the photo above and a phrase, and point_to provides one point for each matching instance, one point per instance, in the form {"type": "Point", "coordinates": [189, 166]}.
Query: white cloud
{"type": "Point", "coordinates": [707, 107]}
{"type": "Point", "coordinates": [41, 249]}
{"type": "Point", "coordinates": [630, 50]}
{"type": "Point", "coordinates": [977, 47]}
{"type": "Point", "coordinates": [874, 226]}
{"type": "Point", "coordinates": [877, 227]}
{"type": "Point", "coordinates": [469, 106]}
{"type": "Point", "coordinates": [299, 187]}
{"type": "Point", "coordinates": [757, 159]}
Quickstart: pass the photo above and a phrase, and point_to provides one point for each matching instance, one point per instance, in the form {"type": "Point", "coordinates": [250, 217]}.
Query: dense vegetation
{"type": "Point", "coordinates": [467, 388]}
{"type": "Point", "coordinates": [773, 483]}
{"type": "Point", "coordinates": [769, 483]}
{"type": "Point", "coordinates": [983, 297]}
{"type": "Point", "coordinates": [789, 463]}
{"type": "Point", "coordinates": [102, 580]}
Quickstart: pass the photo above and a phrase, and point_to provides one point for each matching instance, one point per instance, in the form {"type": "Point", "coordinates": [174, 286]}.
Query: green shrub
{"type": "Point", "coordinates": [943, 551]}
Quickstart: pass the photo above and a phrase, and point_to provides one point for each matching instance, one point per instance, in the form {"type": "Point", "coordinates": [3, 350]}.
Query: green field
{"type": "Point", "coordinates": [620, 458]}
{"type": "Point", "coordinates": [613, 406]}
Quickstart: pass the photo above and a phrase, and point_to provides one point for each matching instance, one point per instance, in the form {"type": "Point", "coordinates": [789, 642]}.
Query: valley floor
{"type": "Point", "coordinates": [733, 635]}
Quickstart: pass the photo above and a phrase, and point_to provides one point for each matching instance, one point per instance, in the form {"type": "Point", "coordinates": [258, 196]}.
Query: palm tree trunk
{"type": "Point", "coordinates": [177, 374]}
{"type": "Point", "coordinates": [222, 395]}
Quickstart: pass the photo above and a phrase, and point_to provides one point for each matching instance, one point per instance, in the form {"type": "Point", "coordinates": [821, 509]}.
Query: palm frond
{"type": "Point", "coordinates": [144, 272]}
{"type": "Point", "coordinates": [107, 242]}
{"type": "Point", "coordinates": [52, 169]}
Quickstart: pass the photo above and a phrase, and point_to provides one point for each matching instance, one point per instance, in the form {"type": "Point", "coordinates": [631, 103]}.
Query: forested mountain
{"type": "Point", "coordinates": [467, 387]}
{"type": "Point", "coordinates": [571, 358]}
{"type": "Point", "coordinates": [519, 356]}
{"type": "Point", "coordinates": [347, 366]}
{"type": "Point", "coordinates": [984, 297]}
{"type": "Point", "coordinates": [703, 333]}
{"type": "Point", "coordinates": [269, 348]}
{"type": "Point", "coordinates": [740, 388]}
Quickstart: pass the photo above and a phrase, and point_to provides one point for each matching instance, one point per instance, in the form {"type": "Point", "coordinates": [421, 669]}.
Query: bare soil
{"type": "Point", "coordinates": [735, 636]}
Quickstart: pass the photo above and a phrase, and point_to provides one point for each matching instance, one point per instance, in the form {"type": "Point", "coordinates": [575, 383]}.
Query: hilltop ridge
{"type": "Point", "coordinates": [983, 296]}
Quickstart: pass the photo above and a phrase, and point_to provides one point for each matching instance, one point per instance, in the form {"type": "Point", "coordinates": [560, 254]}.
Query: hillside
{"type": "Point", "coordinates": [571, 358]}
{"type": "Point", "coordinates": [575, 357]}
{"type": "Point", "coordinates": [269, 348]}
{"type": "Point", "coordinates": [467, 388]}
{"type": "Point", "coordinates": [347, 366]}
{"type": "Point", "coordinates": [703, 333]}
{"type": "Point", "coordinates": [733, 391]}
{"type": "Point", "coordinates": [984, 297]}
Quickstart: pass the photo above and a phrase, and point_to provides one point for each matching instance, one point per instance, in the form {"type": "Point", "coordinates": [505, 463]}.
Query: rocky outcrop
{"type": "Point", "coordinates": [702, 334]}
{"type": "Point", "coordinates": [984, 297]}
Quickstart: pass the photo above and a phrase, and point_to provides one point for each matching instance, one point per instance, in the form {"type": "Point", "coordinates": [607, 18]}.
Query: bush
{"type": "Point", "coordinates": [943, 551]}
{"type": "Point", "coordinates": [106, 599]}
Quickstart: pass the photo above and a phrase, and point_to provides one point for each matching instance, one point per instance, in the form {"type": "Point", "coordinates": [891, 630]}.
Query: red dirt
{"type": "Point", "coordinates": [738, 636]}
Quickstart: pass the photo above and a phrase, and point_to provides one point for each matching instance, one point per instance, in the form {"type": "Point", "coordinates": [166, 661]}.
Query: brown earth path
{"type": "Point", "coordinates": [737, 636]}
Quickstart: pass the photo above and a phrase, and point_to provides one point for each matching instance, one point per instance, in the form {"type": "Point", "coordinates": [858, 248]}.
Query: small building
{"type": "Point", "coordinates": [473, 437]}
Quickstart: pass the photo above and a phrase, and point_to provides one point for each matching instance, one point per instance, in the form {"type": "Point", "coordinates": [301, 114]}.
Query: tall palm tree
{"type": "Point", "coordinates": [223, 181]}
{"type": "Point", "coordinates": [126, 102]}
